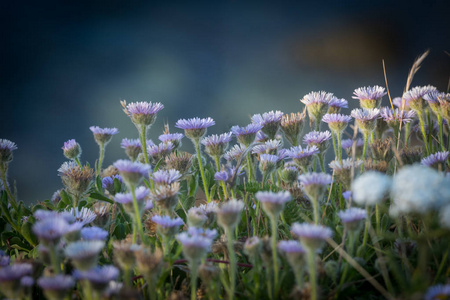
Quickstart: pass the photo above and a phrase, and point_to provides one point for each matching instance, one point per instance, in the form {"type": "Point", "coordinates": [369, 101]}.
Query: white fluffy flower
{"type": "Point", "coordinates": [445, 216]}
{"type": "Point", "coordinates": [371, 188]}
{"type": "Point", "coordinates": [418, 189]}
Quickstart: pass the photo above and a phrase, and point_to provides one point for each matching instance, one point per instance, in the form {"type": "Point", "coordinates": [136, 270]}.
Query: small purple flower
{"type": "Point", "coordinates": [345, 164]}
{"type": "Point", "coordinates": [4, 259]}
{"type": "Point", "coordinates": [302, 157]}
{"type": "Point", "coordinates": [415, 99]}
{"type": "Point", "coordinates": [352, 217]}
{"type": "Point", "coordinates": [71, 149]}
{"type": "Point", "coordinates": [270, 122]}
{"type": "Point", "coordinates": [50, 230]}
{"type": "Point", "coordinates": [26, 282]}
{"type": "Point", "coordinates": [148, 205]}
{"type": "Point", "coordinates": [132, 147]}
{"type": "Point", "coordinates": [158, 152]}
{"type": "Point", "coordinates": [6, 150]}
{"type": "Point", "coordinates": [208, 233]}
{"type": "Point", "coordinates": [402, 105]}
{"type": "Point", "coordinates": [436, 159]}
{"type": "Point", "coordinates": [337, 122]}
{"type": "Point", "coordinates": [195, 128]}
{"type": "Point", "coordinates": [99, 277]}
{"type": "Point", "coordinates": [311, 236]}
{"type": "Point", "coordinates": [94, 234]}
{"type": "Point", "coordinates": [166, 177]}
{"type": "Point", "coordinates": [15, 272]}
{"type": "Point", "coordinates": [317, 104]}
{"type": "Point", "coordinates": [366, 119]}
{"type": "Point", "coordinates": [261, 137]}
{"type": "Point", "coordinates": [84, 254]}
{"type": "Point", "coordinates": [437, 292]}
{"type": "Point", "coordinates": [215, 145]}
{"type": "Point", "coordinates": [195, 246]}
{"type": "Point", "coordinates": [229, 214]}
{"type": "Point", "coordinates": [142, 113]}
{"type": "Point", "coordinates": [108, 183]}
{"type": "Point", "coordinates": [315, 184]}
{"type": "Point", "coordinates": [246, 135]}
{"type": "Point", "coordinates": [226, 175]}
{"type": "Point", "coordinates": [369, 97]}
{"type": "Point", "coordinates": [174, 138]}
{"type": "Point", "coordinates": [273, 203]}
{"type": "Point", "coordinates": [318, 139]}
{"type": "Point", "coordinates": [335, 103]}
{"type": "Point", "coordinates": [235, 153]}
{"type": "Point", "coordinates": [141, 194]}
{"type": "Point", "coordinates": [291, 246]}
{"type": "Point", "coordinates": [268, 163]}
{"type": "Point", "coordinates": [103, 135]}
{"type": "Point", "coordinates": [347, 195]}
{"type": "Point", "coordinates": [166, 225]}
{"type": "Point", "coordinates": [84, 215]}
{"type": "Point", "coordinates": [394, 118]}
{"type": "Point", "coordinates": [132, 172]}
{"type": "Point", "coordinates": [348, 143]}
{"type": "Point", "coordinates": [57, 286]}
{"type": "Point", "coordinates": [269, 147]}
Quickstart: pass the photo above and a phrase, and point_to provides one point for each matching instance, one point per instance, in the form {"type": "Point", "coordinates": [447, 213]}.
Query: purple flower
{"type": "Point", "coordinates": [369, 97]}
{"type": "Point", "coordinates": [195, 128]}
{"type": "Point", "coordinates": [433, 97]}
{"type": "Point", "coordinates": [291, 246]}
{"type": "Point", "coordinates": [141, 193]}
{"type": "Point", "coordinates": [337, 122]}
{"type": "Point", "coordinates": [436, 159]}
{"type": "Point", "coordinates": [142, 113]}
{"type": "Point", "coordinates": [269, 147]}
{"type": "Point", "coordinates": [15, 272]}
{"type": "Point", "coordinates": [347, 195]}
{"type": "Point", "coordinates": [273, 203]}
{"type": "Point", "coordinates": [103, 135]}
{"type": "Point", "coordinates": [394, 118]}
{"type": "Point", "coordinates": [270, 122]}
{"type": "Point", "coordinates": [94, 234]}
{"type": "Point", "coordinates": [318, 139]}
{"type": "Point", "coordinates": [345, 164]}
{"type": "Point", "coordinates": [208, 233]}
{"type": "Point", "coordinates": [235, 153]}
{"type": "Point", "coordinates": [366, 118]}
{"type": "Point", "coordinates": [84, 215]}
{"type": "Point", "coordinates": [77, 180]}
{"type": "Point", "coordinates": [50, 230]}
{"type": "Point", "coordinates": [166, 177]}
{"type": "Point", "coordinates": [6, 149]}
{"type": "Point", "coordinates": [352, 218]}
{"type": "Point", "coordinates": [246, 135]}
{"type": "Point", "coordinates": [174, 138]}
{"type": "Point", "coordinates": [166, 225]}
{"type": "Point", "coordinates": [338, 103]}
{"type": "Point", "coordinates": [132, 147]}
{"type": "Point", "coordinates": [71, 149]}
{"type": "Point", "coordinates": [268, 163]}
{"type": "Point", "coordinates": [317, 104]}
{"type": "Point", "coordinates": [397, 101]}
{"type": "Point", "coordinates": [315, 184]}
{"type": "Point", "coordinates": [348, 143]}
{"type": "Point", "coordinates": [131, 172]}
{"type": "Point", "coordinates": [311, 236]}
{"type": "Point", "coordinates": [108, 183]}
{"type": "Point", "coordinates": [229, 214]}
{"type": "Point", "coordinates": [215, 145]}
{"type": "Point", "coordinates": [437, 292]}
{"type": "Point", "coordinates": [157, 152]}
{"type": "Point", "coordinates": [56, 285]}
{"type": "Point", "coordinates": [302, 157]}
{"type": "Point", "coordinates": [195, 246]}
{"type": "Point", "coordinates": [84, 254]}
{"type": "Point", "coordinates": [4, 259]}
{"type": "Point", "coordinates": [226, 175]}
{"type": "Point", "coordinates": [99, 277]}
{"type": "Point", "coordinates": [414, 97]}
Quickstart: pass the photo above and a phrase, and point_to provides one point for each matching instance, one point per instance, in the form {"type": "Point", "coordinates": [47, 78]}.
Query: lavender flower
{"type": "Point", "coordinates": [393, 119]}
{"type": "Point", "coordinates": [433, 100]}
{"type": "Point", "coordinates": [366, 119]}
{"type": "Point", "coordinates": [142, 113]}
{"type": "Point", "coordinates": [132, 148]}
{"type": "Point", "coordinates": [270, 122]}
{"type": "Point", "coordinates": [229, 214]}
{"type": "Point", "coordinates": [180, 161]}
{"type": "Point", "coordinates": [160, 151]}
{"type": "Point", "coordinates": [195, 246]}
{"type": "Point", "coordinates": [165, 177]}
{"type": "Point", "coordinates": [4, 259]}
{"type": "Point", "coordinates": [99, 277]}
{"type": "Point", "coordinates": [94, 234]}
{"type": "Point", "coordinates": [103, 135]}
{"type": "Point", "coordinates": [294, 252]}
{"type": "Point", "coordinates": [436, 160]}
{"type": "Point", "coordinates": [10, 277]}
{"type": "Point", "coordinates": [369, 97]}
{"type": "Point", "coordinates": [379, 184]}
{"type": "Point", "coordinates": [347, 195]}
{"type": "Point", "coordinates": [348, 143]}
{"type": "Point", "coordinates": [335, 105]}
{"type": "Point", "coordinates": [208, 233]}
{"type": "Point", "coordinates": [84, 254]}
{"type": "Point", "coordinates": [215, 145]}
{"type": "Point", "coordinates": [437, 292]}
{"type": "Point", "coordinates": [174, 138]}
{"type": "Point", "coordinates": [75, 179]}
{"type": "Point", "coordinates": [318, 139]}
{"type": "Point", "coordinates": [84, 216]}
{"type": "Point", "coordinates": [352, 218]}
{"type": "Point", "coordinates": [268, 163]}
{"type": "Point", "coordinates": [289, 174]}
{"type": "Point", "coordinates": [227, 175]}
{"type": "Point", "coordinates": [141, 194]}
{"type": "Point", "coordinates": [315, 184]}
{"type": "Point", "coordinates": [235, 153]}
{"type": "Point", "coordinates": [302, 157]}
{"type": "Point", "coordinates": [195, 128]}
{"type": "Point", "coordinates": [337, 122]}
{"type": "Point", "coordinates": [132, 172]}
{"type": "Point", "coordinates": [414, 97]}
{"type": "Point", "coordinates": [292, 127]}
{"type": "Point", "coordinates": [6, 151]}
{"type": "Point", "coordinates": [166, 196]}
{"type": "Point", "coordinates": [109, 185]}
{"type": "Point", "coordinates": [317, 105]}
{"type": "Point", "coordinates": [273, 203]}
{"type": "Point", "coordinates": [167, 226]}
{"type": "Point", "coordinates": [71, 149]}
{"type": "Point", "coordinates": [196, 217]}
{"type": "Point", "coordinates": [269, 147]}
{"type": "Point", "coordinates": [56, 287]}
{"type": "Point", "coordinates": [401, 104]}
{"type": "Point", "coordinates": [246, 135]}
{"type": "Point", "coordinates": [311, 236]}
{"type": "Point", "coordinates": [50, 230]}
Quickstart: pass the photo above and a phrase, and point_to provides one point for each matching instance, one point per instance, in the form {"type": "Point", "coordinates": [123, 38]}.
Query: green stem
{"type": "Point", "coordinates": [312, 274]}
{"type": "Point", "coordinates": [377, 219]}
{"type": "Point", "coordinates": [322, 162]}
{"type": "Point", "coordinates": [202, 172]}
{"type": "Point", "coordinates": [232, 256]}
{"type": "Point", "coordinates": [250, 168]}
{"type": "Point", "coordinates": [315, 203]}
{"type": "Point", "coordinates": [143, 137]}
{"type": "Point", "coordinates": [366, 231]}
{"type": "Point", "coordinates": [441, 267]}
{"type": "Point", "coordinates": [100, 160]}
{"type": "Point", "coordinates": [274, 223]}
{"type": "Point", "coordinates": [339, 137]}
{"type": "Point", "coordinates": [54, 259]}
{"type": "Point", "coordinates": [127, 276]}
{"type": "Point", "coordinates": [424, 135]}
{"type": "Point", "coordinates": [407, 132]}
{"type": "Point", "coordinates": [87, 290]}
{"type": "Point", "coordinates": [334, 146]}
{"type": "Point", "coordinates": [366, 141]}
{"type": "Point", "coordinates": [137, 216]}
{"type": "Point", "coordinates": [77, 160]}
{"type": "Point", "coordinates": [224, 188]}
{"type": "Point", "coordinates": [317, 124]}
{"type": "Point", "coordinates": [194, 271]}
{"type": "Point", "coordinates": [4, 169]}
{"type": "Point", "coordinates": [441, 132]}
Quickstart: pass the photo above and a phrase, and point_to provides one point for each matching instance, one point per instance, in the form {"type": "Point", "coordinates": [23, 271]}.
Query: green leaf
{"type": "Point", "coordinates": [82, 204]}
{"type": "Point", "coordinates": [158, 165]}
{"type": "Point", "coordinates": [117, 185]}
{"type": "Point", "coordinates": [27, 232]}
{"type": "Point", "coordinates": [119, 231]}
{"type": "Point", "coordinates": [98, 183]}
{"type": "Point", "coordinates": [65, 198]}
{"type": "Point", "coordinates": [100, 197]}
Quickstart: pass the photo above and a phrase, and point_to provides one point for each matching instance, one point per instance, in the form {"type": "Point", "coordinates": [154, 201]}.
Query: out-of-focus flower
{"type": "Point", "coordinates": [84, 254]}
{"type": "Point", "coordinates": [6, 150]}
{"type": "Point", "coordinates": [371, 188]}
{"type": "Point", "coordinates": [366, 119]}
{"type": "Point", "coordinates": [103, 135]}
{"type": "Point", "coordinates": [108, 183]}
{"type": "Point", "coordinates": [99, 277]}
{"type": "Point", "coordinates": [132, 148]}
{"type": "Point", "coordinates": [166, 225]}
{"type": "Point", "coordinates": [229, 214]}
{"type": "Point", "coordinates": [311, 236]}
{"type": "Point", "coordinates": [292, 126]}
{"type": "Point", "coordinates": [273, 203]}
{"type": "Point", "coordinates": [315, 184]}
{"type": "Point", "coordinates": [414, 97]}
{"type": "Point", "coordinates": [132, 172]}
{"type": "Point", "coordinates": [352, 218]}
{"type": "Point", "coordinates": [75, 179]}
{"type": "Point", "coordinates": [56, 287]}
{"type": "Point", "coordinates": [174, 138]}
{"type": "Point", "coordinates": [94, 234]}
{"type": "Point", "coordinates": [435, 160]}
{"type": "Point", "coordinates": [270, 122]}
{"type": "Point", "coordinates": [438, 292]}
{"type": "Point", "coordinates": [166, 177]}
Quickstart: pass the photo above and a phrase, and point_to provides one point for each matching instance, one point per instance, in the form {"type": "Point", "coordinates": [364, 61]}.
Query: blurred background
{"type": "Point", "coordinates": [65, 65]}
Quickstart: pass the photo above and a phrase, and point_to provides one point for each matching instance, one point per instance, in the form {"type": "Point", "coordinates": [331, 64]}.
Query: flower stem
{"type": "Point", "coordinates": [312, 274]}
{"type": "Point", "coordinates": [366, 141]}
{"type": "Point", "coordinates": [202, 172]}
{"type": "Point", "coordinates": [339, 137]}
{"type": "Point", "coordinates": [137, 216]}
{"type": "Point", "coordinates": [441, 130]}
{"type": "Point", "coordinates": [232, 256]}
{"type": "Point", "coordinates": [366, 231]}
{"type": "Point", "coordinates": [3, 170]}
{"type": "Point", "coordinates": [315, 203]}
{"type": "Point", "coordinates": [249, 168]}
{"type": "Point", "coordinates": [273, 223]}
{"type": "Point", "coordinates": [224, 188]}
{"type": "Point", "coordinates": [54, 259]}
{"type": "Point", "coordinates": [422, 129]}
{"type": "Point", "coordinates": [334, 145]}
{"type": "Point", "coordinates": [194, 271]}
{"type": "Point", "coordinates": [77, 160]}
{"type": "Point", "coordinates": [100, 160]}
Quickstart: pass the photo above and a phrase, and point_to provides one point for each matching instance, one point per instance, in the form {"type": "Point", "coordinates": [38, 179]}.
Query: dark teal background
{"type": "Point", "coordinates": [66, 64]}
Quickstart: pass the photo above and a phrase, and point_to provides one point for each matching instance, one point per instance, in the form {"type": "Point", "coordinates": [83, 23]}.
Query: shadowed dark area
{"type": "Point", "coordinates": [65, 66]}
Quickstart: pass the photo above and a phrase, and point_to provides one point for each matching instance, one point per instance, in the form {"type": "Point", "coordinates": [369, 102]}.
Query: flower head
{"type": "Point", "coordinates": [315, 184]}
{"type": "Point", "coordinates": [246, 135]}
{"type": "Point", "coordinates": [318, 139]}
{"type": "Point", "coordinates": [311, 236]}
{"type": "Point", "coordinates": [94, 234]}
{"type": "Point", "coordinates": [401, 104]}
{"type": "Point", "coordinates": [289, 174]}
{"type": "Point", "coordinates": [371, 188]}
{"type": "Point", "coordinates": [142, 113]}
{"type": "Point", "coordinates": [437, 292]}
{"type": "Point", "coordinates": [132, 172]}
{"type": "Point", "coordinates": [302, 157]}
{"type": "Point", "coordinates": [166, 196]}
{"type": "Point", "coordinates": [75, 179]}
{"type": "Point", "coordinates": [71, 149]}
{"type": "Point", "coordinates": [99, 277]}
{"type": "Point", "coordinates": [273, 203]}
{"type": "Point", "coordinates": [51, 230]}
{"type": "Point", "coordinates": [337, 122]}
{"type": "Point", "coordinates": [195, 246]}
{"type": "Point", "coordinates": [215, 145]}
{"type": "Point", "coordinates": [166, 225]}
{"type": "Point", "coordinates": [84, 216]}
{"type": "Point", "coordinates": [180, 161]}
{"type": "Point", "coordinates": [84, 254]}
{"type": "Point", "coordinates": [270, 122]}
{"type": "Point", "coordinates": [352, 217]}
{"type": "Point", "coordinates": [56, 287]}
{"type": "Point", "coordinates": [195, 128]}
{"type": "Point", "coordinates": [132, 148]}
{"type": "Point", "coordinates": [15, 272]}
{"type": "Point", "coordinates": [369, 97]}
{"type": "Point", "coordinates": [414, 97]}
{"type": "Point", "coordinates": [174, 138]}
{"type": "Point", "coordinates": [292, 126]}
{"type": "Point", "coordinates": [269, 147]}
{"type": "Point", "coordinates": [108, 183]}
{"type": "Point", "coordinates": [317, 104]}
{"type": "Point", "coordinates": [229, 214]}
{"type": "Point", "coordinates": [335, 105]}
{"type": "Point", "coordinates": [268, 163]}
{"type": "Point", "coordinates": [235, 153]}
{"type": "Point", "coordinates": [343, 170]}
{"type": "Point", "coordinates": [294, 252]}
{"type": "Point", "coordinates": [393, 119]}
{"type": "Point", "coordinates": [166, 177]}
{"type": "Point", "coordinates": [435, 160]}
{"type": "Point", "coordinates": [6, 150]}
{"type": "Point", "coordinates": [366, 119]}
{"type": "Point", "coordinates": [160, 151]}
{"type": "Point", "coordinates": [103, 135]}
